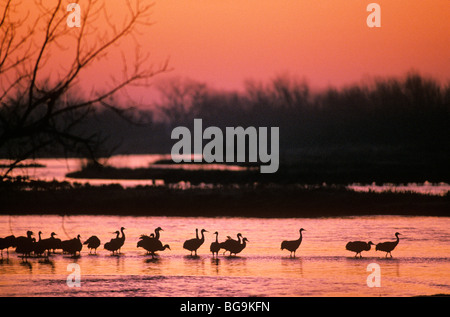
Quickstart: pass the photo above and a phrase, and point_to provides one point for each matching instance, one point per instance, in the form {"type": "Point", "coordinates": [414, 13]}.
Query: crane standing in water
{"type": "Point", "coordinates": [72, 246]}
{"type": "Point", "coordinates": [388, 246]}
{"type": "Point", "coordinates": [152, 243]}
{"type": "Point", "coordinates": [292, 245]}
{"type": "Point", "coordinates": [193, 244]}
{"type": "Point", "coordinates": [92, 243]}
{"type": "Point", "coordinates": [358, 247]}
{"type": "Point", "coordinates": [232, 247]}
{"type": "Point", "coordinates": [24, 245]}
{"type": "Point", "coordinates": [6, 243]}
{"type": "Point", "coordinates": [115, 244]}
{"type": "Point", "coordinates": [215, 246]}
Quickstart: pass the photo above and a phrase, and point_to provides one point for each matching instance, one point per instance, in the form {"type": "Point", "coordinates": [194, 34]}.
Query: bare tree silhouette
{"type": "Point", "coordinates": [43, 110]}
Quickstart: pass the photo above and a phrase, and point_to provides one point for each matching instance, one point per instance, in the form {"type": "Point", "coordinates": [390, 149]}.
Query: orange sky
{"type": "Point", "coordinates": [326, 42]}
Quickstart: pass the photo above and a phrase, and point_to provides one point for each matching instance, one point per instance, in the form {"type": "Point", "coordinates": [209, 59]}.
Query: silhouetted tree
{"type": "Point", "coordinates": [42, 110]}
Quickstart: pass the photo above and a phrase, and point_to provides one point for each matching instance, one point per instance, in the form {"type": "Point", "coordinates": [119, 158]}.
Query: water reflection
{"type": "Point", "coordinates": [153, 260]}
{"type": "Point", "coordinates": [292, 265]}
{"type": "Point", "coordinates": [215, 261]}
{"type": "Point", "coordinates": [27, 265]}
{"type": "Point", "coordinates": [322, 266]}
{"type": "Point", "coordinates": [194, 265]}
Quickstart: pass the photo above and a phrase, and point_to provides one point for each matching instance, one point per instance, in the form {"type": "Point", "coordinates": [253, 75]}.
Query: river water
{"type": "Point", "coordinates": [322, 267]}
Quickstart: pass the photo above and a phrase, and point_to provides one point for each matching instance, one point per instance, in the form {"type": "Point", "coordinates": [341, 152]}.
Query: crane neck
{"type": "Point", "coordinates": [203, 236]}
{"type": "Point", "coordinates": [217, 237]}
{"type": "Point", "coordinates": [123, 233]}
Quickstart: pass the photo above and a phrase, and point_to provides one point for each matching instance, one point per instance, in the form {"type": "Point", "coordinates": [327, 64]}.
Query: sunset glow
{"type": "Point", "coordinates": [238, 149]}
{"type": "Point", "coordinates": [326, 43]}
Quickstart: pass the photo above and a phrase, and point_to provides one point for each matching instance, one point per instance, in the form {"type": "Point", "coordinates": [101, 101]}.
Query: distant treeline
{"type": "Point", "coordinates": [390, 126]}
{"type": "Point", "coordinates": [411, 113]}
{"type": "Point", "coordinates": [378, 126]}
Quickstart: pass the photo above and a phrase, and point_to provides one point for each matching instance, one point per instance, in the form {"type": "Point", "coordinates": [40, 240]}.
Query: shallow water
{"type": "Point", "coordinates": [420, 263]}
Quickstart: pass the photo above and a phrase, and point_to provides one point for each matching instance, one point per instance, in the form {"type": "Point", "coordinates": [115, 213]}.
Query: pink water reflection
{"type": "Point", "coordinates": [323, 267]}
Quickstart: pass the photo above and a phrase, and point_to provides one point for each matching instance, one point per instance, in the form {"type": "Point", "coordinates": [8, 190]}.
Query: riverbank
{"type": "Point", "coordinates": [270, 201]}
{"type": "Point", "coordinates": [342, 168]}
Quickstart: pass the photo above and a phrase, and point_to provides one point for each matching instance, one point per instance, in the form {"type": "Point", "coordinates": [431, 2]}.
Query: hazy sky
{"type": "Point", "coordinates": [325, 42]}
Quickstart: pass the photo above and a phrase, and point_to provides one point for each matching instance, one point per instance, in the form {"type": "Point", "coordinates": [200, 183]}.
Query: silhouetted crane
{"type": "Point", "coordinates": [121, 239]}
{"type": "Point", "coordinates": [152, 235]}
{"type": "Point", "coordinates": [358, 247]}
{"type": "Point", "coordinates": [236, 248]}
{"type": "Point", "coordinates": [24, 245]}
{"type": "Point", "coordinates": [157, 234]}
{"type": "Point", "coordinates": [388, 246]}
{"type": "Point", "coordinates": [230, 243]}
{"type": "Point", "coordinates": [193, 244]}
{"type": "Point", "coordinates": [92, 243]}
{"type": "Point", "coordinates": [72, 246]}
{"type": "Point", "coordinates": [40, 246]}
{"type": "Point", "coordinates": [215, 246]}
{"type": "Point", "coordinates": [238, 241]}
{"type": "Point", "coordinates": [112, 244]}
{"type": "Point", "coordinates": [6, 243]}
{"type": "Point", "coordinates": [152, 243]}
{"type": "Point", "coordinates": [292, 245]}
{"type": "Point", "coordinates": [47, 244]}
{"type": "Point", "coordinates": [115, 244]}
{"type": "Point", "coordinates": [53, 243]}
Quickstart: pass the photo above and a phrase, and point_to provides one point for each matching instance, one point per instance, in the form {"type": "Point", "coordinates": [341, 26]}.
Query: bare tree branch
{"type": "Point", "coordinates": [38, 110]}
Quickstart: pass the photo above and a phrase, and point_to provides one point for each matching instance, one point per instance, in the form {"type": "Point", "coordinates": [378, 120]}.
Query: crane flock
{"type": "Point", "coordinates": [26, 246]}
